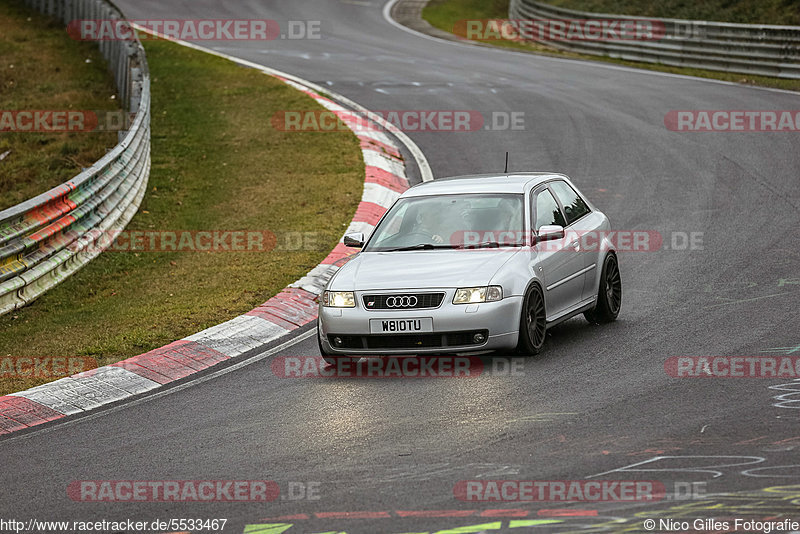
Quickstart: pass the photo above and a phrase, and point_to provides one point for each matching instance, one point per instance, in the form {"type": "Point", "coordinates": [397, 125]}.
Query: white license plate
{"type": "Point", "coordinates": [401, 326]}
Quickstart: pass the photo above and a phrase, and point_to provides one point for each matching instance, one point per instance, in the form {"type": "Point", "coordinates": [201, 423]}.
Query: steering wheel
{"type": "Point", "coordinates": [420, 234]}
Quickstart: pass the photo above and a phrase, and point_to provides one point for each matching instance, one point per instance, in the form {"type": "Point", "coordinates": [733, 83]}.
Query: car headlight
{"type": "Point", "coordinates": [339, 299]}
{"type": "Point", "coordinates": [473, 295]}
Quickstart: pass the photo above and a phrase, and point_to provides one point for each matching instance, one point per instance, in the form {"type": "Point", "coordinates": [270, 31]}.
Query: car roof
{"type": "Point", "coordinates": [516, 182]}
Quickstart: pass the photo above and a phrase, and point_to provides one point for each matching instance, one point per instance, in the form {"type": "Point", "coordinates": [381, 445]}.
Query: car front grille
{"type": "Point", "coordinates": [408, 341]}
{"type": "Point", "coordinates": [407, 301]}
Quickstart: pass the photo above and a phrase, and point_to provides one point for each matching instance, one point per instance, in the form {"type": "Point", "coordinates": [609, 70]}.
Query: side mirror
{"type": "Point", "coordinates": [550, 233]}
{"type": "Point", "coordinates": [355, 240]}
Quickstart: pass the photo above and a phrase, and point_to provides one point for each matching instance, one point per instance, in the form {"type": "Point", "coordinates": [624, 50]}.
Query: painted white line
{"type": "Point", "coordinates": [387, 15]}
{"type": "Point", "coordinates": [387, 9]}
{"type": "Point", "coordinates": [57, 424]}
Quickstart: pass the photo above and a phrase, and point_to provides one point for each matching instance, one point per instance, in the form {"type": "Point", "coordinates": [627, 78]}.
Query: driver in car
{"type": "Point", "coordinates": [428, 223]}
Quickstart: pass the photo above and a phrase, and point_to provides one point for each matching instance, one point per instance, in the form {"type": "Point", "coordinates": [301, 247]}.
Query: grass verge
{"type": "Point", "coordinates": [444, 14]}
{"type": "Point", "coordinates": [217, 164]}
{"type": "Point", "coordinates": [41, 68]}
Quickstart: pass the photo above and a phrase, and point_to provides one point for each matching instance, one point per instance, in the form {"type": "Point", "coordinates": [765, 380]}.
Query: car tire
{"type": "Point", "coordinates": [609, 293]}
{"type": "Point", "coordinates": [533, 322]}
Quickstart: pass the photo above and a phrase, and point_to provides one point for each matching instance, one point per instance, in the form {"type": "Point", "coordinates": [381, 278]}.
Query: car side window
{"type": "Point", "coordinates": [574, 205]}
{"type": "Point", "coordinates": [547, 211]}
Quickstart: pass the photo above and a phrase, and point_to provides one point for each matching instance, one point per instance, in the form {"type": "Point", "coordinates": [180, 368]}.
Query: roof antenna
{"type": "Point", "coordinates": [506, 171]}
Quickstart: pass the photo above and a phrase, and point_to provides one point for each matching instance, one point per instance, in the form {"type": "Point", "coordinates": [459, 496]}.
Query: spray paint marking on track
{"type": "Point", "coordinates": [771, 503]}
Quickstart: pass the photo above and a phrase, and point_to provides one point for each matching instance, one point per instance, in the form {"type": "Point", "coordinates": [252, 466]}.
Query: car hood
{"type": "Point", "coordinates": [420, 269]}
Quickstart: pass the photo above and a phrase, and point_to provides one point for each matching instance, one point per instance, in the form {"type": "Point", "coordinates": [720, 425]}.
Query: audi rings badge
{"type": "Point", "coordinates": [401, 301]}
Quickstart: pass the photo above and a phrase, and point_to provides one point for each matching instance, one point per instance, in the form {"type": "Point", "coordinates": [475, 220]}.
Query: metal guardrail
{"type": "Point", "coordinates": [49, 237]}
{"type": "Point", "coordinates": [747, 48]}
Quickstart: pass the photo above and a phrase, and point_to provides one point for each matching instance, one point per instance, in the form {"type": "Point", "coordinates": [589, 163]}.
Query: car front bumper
{"type": "Point", "coordinates": [453, 324]}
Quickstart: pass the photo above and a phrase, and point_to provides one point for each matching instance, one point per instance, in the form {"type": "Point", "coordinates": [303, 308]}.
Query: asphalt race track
{"type": "Point", "coordinates": [596, 400]}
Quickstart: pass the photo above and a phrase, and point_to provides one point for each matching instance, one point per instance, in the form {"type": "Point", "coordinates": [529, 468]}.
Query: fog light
{"type": "Point", "coordinates": [478, 338]}
{"type": "Point", "coordinates": [337, 341]}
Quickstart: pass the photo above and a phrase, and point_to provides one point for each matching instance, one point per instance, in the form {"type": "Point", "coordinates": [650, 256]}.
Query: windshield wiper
{"type": "Point", "coordinates": [493, 244]}
{"type": "Point", "coordinates": [423, 246]}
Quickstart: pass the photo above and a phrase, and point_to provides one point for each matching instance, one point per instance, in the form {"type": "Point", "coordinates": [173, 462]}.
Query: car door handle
{"type": "Point", "coordinates": [576, 245]}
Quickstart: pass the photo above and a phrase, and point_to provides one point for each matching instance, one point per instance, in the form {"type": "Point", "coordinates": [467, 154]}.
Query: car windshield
{"type": "Point", "coordinates": [450, 221]}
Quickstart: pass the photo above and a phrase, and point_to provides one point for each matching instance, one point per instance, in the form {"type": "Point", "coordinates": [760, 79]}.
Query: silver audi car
{"type": "Point", "coordinates": [472, 263]}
